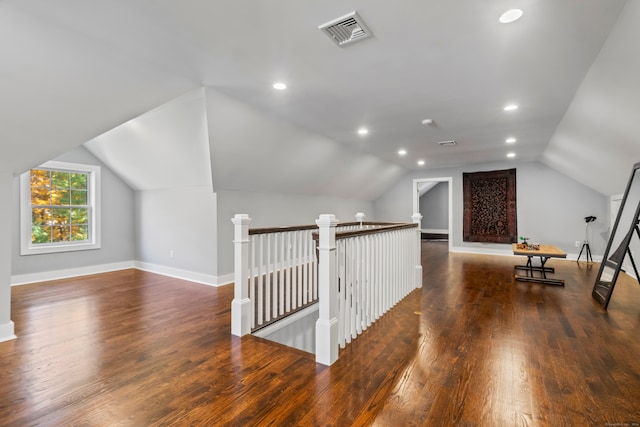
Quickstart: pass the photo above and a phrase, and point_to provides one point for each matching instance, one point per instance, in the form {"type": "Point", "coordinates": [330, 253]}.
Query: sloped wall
{"type": "Point", "coordinates": [598, 138]}
{"type": "Point", "coordinates": [252, 150]}
{"type": "Point", "coordinates": [117, 219]}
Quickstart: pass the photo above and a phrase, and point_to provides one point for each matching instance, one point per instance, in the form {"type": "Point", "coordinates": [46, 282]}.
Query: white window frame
{"type": "Point", "coordinates": [94, 242]}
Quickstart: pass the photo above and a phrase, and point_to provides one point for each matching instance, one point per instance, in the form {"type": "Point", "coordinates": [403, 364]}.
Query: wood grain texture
{"type": "Point", "coordinates": [543, 251]}
{"type": "Point", "coordinates": [471, 348]}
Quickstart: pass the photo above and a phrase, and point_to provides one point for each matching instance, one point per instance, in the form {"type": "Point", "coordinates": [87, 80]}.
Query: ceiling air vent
{"type": "Point", "coordinates": [347, 29]}
{"type": "Point", "coordinates": [446, 143]}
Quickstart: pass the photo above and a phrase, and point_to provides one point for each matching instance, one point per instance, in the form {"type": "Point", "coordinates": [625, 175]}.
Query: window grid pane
{"type": "Point", "coordinates": [59, 206]}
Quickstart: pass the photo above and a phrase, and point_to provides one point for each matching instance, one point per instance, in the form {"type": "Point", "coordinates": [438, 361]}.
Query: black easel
{"type": "Point", "coordinates": [588, 220]}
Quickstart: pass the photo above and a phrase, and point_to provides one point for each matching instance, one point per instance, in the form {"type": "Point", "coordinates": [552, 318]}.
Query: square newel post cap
{"type": "Point", "coordinates": [416, 217]}
{"type": "Point", "coordinates": [241, 219]}
{"type": "Point", "coordinates": [327, 220]}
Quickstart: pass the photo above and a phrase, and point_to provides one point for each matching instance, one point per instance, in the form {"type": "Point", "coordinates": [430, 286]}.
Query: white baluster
{"type": "Point", "coordinates": [260, 279]}
{"type": "Point", "coordinates": [342, 296]}
{"type": "Point", "coordinates": [269, 267]}
{"type": "Point", "coordinates": [287, 274]}
{"type": "Point", "coordinates": [281, 273]}
{"type": "Point", "coordinates": [252, 279]}
{"type": "Point", "coordinates": [299, 258]}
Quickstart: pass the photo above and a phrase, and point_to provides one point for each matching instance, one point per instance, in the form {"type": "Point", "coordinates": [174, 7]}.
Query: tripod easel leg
{"type": "Point", "coordinates": [587, 253]}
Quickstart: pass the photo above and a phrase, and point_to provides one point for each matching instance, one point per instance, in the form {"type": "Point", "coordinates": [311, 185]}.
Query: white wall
{"type": "Point", "coordinates": [597, 139]}
{"type": "Point", "coordinates": [434, 207]}
{"type": "Point", "coordinates": [551, 206]}
{"type": "Point", "coordinates": [181, 220]}
{"type": "Point", "coordinates": [117, 219]}
{"type": "Point", "coordinates": [6, 325]}
{"type": "Point", "coordinates": [276, 209]}
{"type": "Point", "coordinates": [252, 150]}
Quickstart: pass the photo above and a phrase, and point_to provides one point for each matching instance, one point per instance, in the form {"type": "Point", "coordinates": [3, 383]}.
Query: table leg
{"type": "Point", "coordinates": [542, 268]}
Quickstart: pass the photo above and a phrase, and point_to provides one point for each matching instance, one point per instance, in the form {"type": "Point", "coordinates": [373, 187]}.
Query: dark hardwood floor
{"type": "Point", "coordinates": [472, 348]}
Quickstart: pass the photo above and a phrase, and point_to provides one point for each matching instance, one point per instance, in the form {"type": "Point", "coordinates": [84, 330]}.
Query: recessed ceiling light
{"type": "Point", "coordinates": [510, 16]}
{"type": "Point", "coordinates": [510, 107]}
{"type": "Point", "coordinates": [363, 131]}
{"type": "Point", "coordinates": [420, 162]}
{"type": "Point", "coordinates": [510, 140]}
{"type": "Point", "coordinates": [511, 155]}
{"type": "Point", "coordinates": [279, 86]}
{"type": "Point", "coordinates": [402, 152]}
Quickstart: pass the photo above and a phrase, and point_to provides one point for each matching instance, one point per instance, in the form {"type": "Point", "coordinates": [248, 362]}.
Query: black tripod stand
{"type": "Point", "coordinates": [585, 245]}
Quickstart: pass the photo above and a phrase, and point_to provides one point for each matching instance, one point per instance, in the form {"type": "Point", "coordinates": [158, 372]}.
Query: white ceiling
{"type": "Point", "coordinates": [71, 70]}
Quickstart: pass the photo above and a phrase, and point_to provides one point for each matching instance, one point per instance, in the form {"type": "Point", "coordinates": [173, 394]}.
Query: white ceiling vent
{"type": "Point", "coordinates": [446, 143]}
{"type": "Point", "coordinates": [347, 29]}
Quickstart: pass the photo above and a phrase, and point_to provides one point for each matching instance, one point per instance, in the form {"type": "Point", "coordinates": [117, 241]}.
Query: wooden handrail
{"type": "Point", "coordinates": [383, 228]}
{"type": "Point", "coordinates": [285, 228]}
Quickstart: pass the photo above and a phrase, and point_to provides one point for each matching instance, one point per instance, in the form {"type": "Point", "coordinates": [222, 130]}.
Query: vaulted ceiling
{"type": "Point", "coordinates": [195, 78]}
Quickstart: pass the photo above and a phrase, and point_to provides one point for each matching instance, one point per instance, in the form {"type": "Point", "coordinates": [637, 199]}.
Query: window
{"type": "Point", "coordinates": [60, 208]}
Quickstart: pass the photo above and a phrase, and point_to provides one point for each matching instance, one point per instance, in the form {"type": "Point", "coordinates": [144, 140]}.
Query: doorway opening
{"type": "Point", "coordinates": [436, 208]}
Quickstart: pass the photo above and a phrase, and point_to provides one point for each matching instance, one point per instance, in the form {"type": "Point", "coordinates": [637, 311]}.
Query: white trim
{"type": "Point", "coordinates": [7, 332]}
{"type": "Point", "coordinates": [435, 230]}
{"type": "Point", "coordinates": [26, 247]}
{"type": "Point", "coordinates": [205, 279]}
{"type": "Point", "coordinates": [45, 276]}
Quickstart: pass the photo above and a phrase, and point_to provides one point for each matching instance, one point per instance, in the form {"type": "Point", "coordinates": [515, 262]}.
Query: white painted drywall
{"type": "Point", "coordinates": [117, 219]}
{"type": "Point", "coordinates": [434, 207]}
{"type": "Point", "coordinates": [167, 147]}
{"type": "Point", "coordinates": [178, 221]}
{"type": "Point", "coordinates": [551, 206]}
{"type": "Point", "coordinates": [598, 138]}
{"type": "Point", "coordinates": [277, 209]}
{"type": "Point", "coordinates": [6, 325]}
{"type": "Point", "coordinates": [252, 150]}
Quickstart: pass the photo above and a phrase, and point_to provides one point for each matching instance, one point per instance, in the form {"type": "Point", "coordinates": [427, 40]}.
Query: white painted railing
{"type": "Point", "coordinates": [279, 271]}
{"type": "Point", "coordinates": [281, 275]}
{"type": "Point", "coordinates": [362, 274]}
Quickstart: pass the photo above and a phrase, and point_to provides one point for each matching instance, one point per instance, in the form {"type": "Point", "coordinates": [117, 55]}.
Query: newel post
{"type": "Point", "coordinates": [417, 219]}
{"type": "Point", "coordinates": [327, 323]}
{"type": "Point", "coordinates": [241, 305]}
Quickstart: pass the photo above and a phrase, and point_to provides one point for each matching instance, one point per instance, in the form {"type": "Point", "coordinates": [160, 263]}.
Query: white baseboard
{"type": "Point", "coordinates": [45, 276]}
{"type": "Point", "coordinates": [205, 279]}
{"type": "Point", "coordinates": [435, 230]}
{"type": "Point", "coordinates": [481, 251]}
{"type": "Point", "coordinates": [7, 332]}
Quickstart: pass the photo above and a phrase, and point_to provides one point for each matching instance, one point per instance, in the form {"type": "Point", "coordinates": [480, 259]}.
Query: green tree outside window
{"type": "Point", "coordinates": [59, 206]}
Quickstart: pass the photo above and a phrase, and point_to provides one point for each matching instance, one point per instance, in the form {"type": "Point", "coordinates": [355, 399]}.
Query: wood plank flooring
{"type": "Point", "coordinates": [472, 348]}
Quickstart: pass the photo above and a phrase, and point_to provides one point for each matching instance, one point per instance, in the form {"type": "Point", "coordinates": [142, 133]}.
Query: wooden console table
{"type": "Point", "coordinates": [545, 253]}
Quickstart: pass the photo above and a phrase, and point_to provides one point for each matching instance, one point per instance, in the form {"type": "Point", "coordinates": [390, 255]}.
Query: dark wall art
{"type": "Point", "coordinates": [490, 212]}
